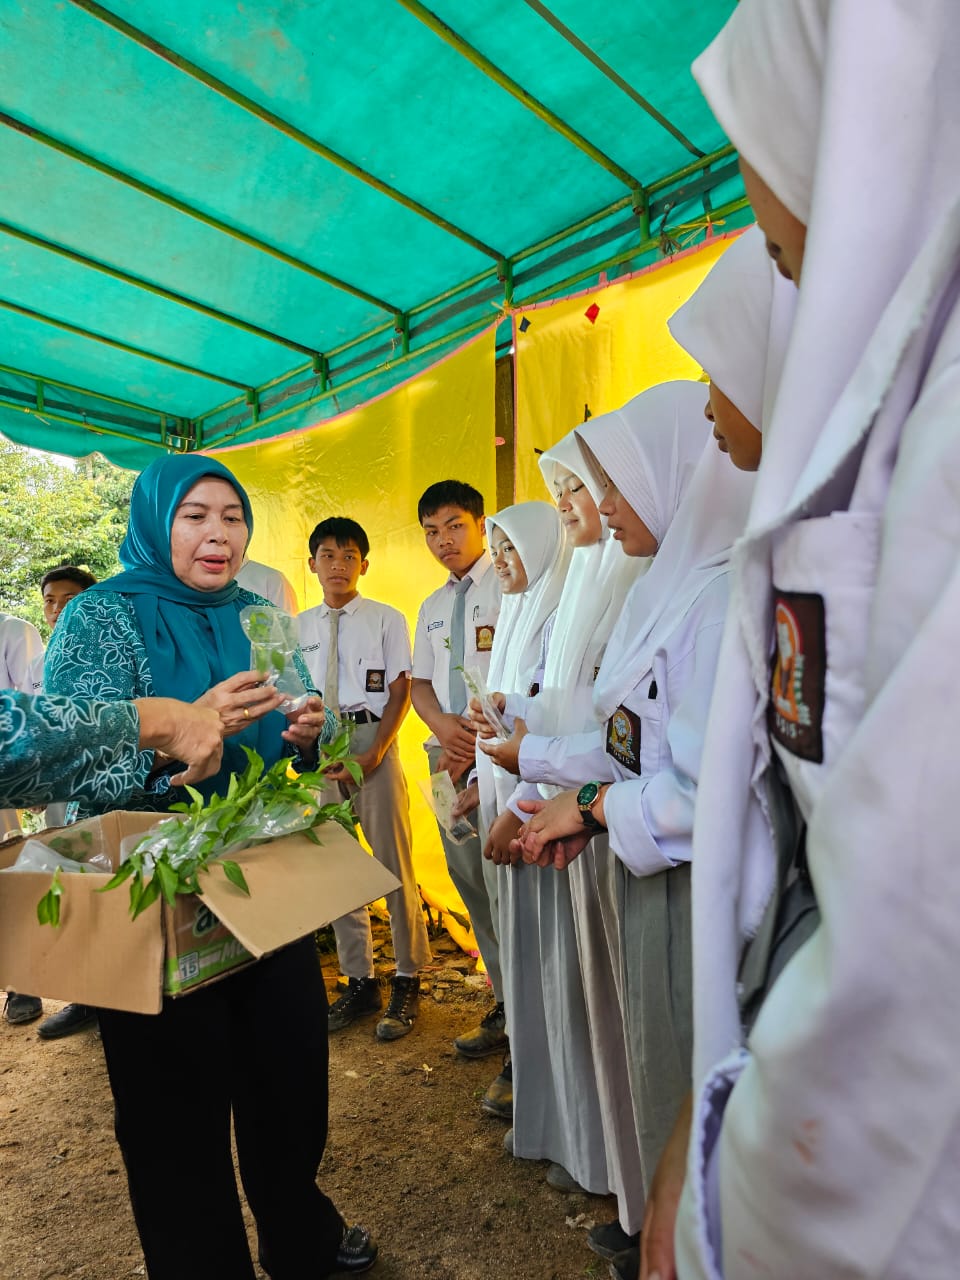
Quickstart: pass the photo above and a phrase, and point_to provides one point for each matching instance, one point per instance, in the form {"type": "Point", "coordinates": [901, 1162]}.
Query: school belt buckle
{"type": "Point", "coordinates": [360, 717]}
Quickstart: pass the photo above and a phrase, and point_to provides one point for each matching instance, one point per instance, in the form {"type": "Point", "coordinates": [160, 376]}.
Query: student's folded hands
{"type": "Point", "coordinates": [554, 834]}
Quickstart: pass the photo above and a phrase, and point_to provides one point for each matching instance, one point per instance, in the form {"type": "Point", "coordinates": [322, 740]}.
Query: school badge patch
{"type": "Point", "coordinates": [623, 738]}
{"type": "Point", "coordinates": [484, 638]}
{"type": "Point", "coordinates": [798, 683]}
{"type": "Point", "coordinates": [376, 681]}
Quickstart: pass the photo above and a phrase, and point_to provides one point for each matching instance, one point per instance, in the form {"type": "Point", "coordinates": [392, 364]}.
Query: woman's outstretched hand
{"type": "Point", "coordinates": [240, 700]}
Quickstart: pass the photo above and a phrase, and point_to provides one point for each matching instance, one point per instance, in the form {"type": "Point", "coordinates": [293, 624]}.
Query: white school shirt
{"type": "Point", "coordinates": [431, 658]}
{"type": "Point", "coordinates": [21, 668]}
{"type": "Point", "coordinates": [373, 650]}
{"type": "Point", "coordinates": [651, 746]}
{"type": "Point", "coordinates": [269, 583]}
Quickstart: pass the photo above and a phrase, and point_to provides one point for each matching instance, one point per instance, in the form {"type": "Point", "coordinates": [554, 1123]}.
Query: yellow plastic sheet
{"type": "Point", "coordinates": [372, 464]}
{"type": "Point", "coordinates": [590, 353]}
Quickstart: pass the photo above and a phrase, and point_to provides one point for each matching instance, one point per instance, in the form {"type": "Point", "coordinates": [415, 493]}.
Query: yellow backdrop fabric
{"type": "Point", "coordinates": [587, 354]}
{"type": "Point", "coordinates": [372, 464]}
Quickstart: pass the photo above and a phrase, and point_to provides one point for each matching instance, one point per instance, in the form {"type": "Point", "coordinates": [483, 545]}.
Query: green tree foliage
{"type": "Point", "coordinates": [52, 514]}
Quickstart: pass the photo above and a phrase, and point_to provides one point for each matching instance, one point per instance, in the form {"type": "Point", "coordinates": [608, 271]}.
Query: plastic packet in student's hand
{"type": "Point", "coordinates": [473, 678]}
{"type": "Point", "coordinates": [441, 795]}
{"type": "Point", "coordinates": [274, 639]}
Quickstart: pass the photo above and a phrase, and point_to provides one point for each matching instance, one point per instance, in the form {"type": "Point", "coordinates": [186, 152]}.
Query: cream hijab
{"type": "Point", "coordinates": [596, 586]}
{"type": "Point", "coordinates": [535, 530]}
{"type": "Point", "coordinates": [825, 110]}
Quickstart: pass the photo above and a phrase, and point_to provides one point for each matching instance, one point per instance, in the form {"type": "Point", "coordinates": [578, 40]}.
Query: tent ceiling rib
{"type": "Point", "coordinates": [522, 95]}
{"type": "Point", "coordinates": [117, 175]}
{"type": "Point", "coordinates": [150, 287]}
{"type": "Point", "coordinates": [282, 126]}
{"type": "Point", "coordinates": [614, 76]}
{"type": "Point", "coordinates": [119, 345]}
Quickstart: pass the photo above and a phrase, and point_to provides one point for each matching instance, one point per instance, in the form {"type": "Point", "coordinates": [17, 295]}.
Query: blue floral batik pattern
{"type": "Point", "coordinates": [97, 650]}
{"type": "Point", "coordinates": [55, 748]}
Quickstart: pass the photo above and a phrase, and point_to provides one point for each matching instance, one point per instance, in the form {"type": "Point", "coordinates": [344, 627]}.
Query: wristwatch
{"type": "Point", "coordinates": [587, 797]}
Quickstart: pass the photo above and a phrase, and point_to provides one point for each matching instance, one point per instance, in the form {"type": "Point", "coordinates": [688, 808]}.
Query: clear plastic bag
{"type": "Point", "coordinates": [274, 638]}
{"type": "Point", "coordinates": [36, 856]}
{"type": "Point", "coordinates": [441, 795]}
{"type": "Point", "coordinates": [474, 679]}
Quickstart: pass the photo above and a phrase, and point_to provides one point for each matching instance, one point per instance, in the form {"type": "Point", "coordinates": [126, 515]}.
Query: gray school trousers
{"type": "Point", "coordinates": [476, 880]}
{"type": "Point", "coordinates": [383, 807]}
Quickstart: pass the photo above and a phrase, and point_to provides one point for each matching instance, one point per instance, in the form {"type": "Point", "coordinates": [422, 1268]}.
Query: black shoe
{"type": "Point", "coordinates": [70, 1019]}
{"type": "Point", "coordinates": [361, 998]}
{"type": "Point", "coordinates": [489, 1037]}
{"type": "Point", "coordinates": [357, 1251]}
{"type": "Point", "coordinates": [608, 1239]}
{"type": "Point", "coordinates": [498, 1100]}
{"type": "Point", "coordinates": [402, 1010]}
{"type": "Point", "coordinates": [18, 1008]}
{"type": "Point", "coordinates": [626, 1265]}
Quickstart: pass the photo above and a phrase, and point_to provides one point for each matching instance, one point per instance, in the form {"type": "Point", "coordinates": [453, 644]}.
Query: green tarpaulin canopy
{"type": "Point", "coordinates": [224, 219]}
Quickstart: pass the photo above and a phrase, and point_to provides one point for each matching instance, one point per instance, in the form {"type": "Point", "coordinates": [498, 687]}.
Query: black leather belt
{"type": "Point", "coordinates": [360, 717]}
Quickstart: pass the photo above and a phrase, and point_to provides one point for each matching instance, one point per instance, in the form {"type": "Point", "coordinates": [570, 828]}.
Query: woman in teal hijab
{"type": "Point", "coordinates": [251, 1048]}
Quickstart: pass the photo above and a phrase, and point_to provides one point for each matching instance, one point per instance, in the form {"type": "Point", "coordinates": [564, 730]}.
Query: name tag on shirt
{"type": "Point", "coordinates": [484, 636]}
{"type": "Point", "coordinates": [798, 683]}
{"type": "Point", "coordinates": [623, 738]}
{"type": "Point", "coordinates": [432, 626]}
{"type": "Point", "coordinates": [376, 681]}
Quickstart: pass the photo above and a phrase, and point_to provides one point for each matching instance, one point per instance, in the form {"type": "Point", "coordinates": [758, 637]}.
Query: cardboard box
{"type": "Point", "coordinates": [99, 956]}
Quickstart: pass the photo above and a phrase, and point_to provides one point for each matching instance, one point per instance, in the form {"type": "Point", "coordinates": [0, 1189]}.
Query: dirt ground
{"type": "Point", "coordinates": [410, 1154]}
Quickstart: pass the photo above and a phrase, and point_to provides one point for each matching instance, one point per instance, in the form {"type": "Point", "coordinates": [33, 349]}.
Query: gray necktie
{"type": "Point", "coordinates": [331, 695]}
{"type": "Point", "coordinates": [458, 690]}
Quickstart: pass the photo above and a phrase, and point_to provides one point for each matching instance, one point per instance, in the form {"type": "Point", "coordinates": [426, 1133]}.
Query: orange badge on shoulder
{"type": "Point", "coordinates": [484, 638]}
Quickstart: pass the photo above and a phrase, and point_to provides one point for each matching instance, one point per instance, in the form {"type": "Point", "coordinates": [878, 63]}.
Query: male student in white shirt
{"type": "Point", "coordinates": [358, 652]}
{"type": "Point", "coordinates": [455, 630]}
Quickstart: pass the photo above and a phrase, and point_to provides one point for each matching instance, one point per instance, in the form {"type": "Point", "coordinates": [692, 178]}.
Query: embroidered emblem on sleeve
{"type": "Point", "coordinates": [376, 681]}
{"type": "Point", "coordinates": [798, 683]}
{"type": "Point", "coordinates": [484, 638]}
{"type": "Point", "coordinates": [623, 738]}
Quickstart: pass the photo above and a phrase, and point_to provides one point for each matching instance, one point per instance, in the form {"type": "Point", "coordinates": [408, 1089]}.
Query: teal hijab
{"type": "Point", "coordinates": [193, 638]}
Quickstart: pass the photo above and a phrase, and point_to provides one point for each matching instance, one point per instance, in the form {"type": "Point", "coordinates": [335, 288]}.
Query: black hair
{"type": "Point", "coordinates": [67, 573]}
{"type": "Point", "coordinates": [344, 530]}
{"type": "Point", "coordinates": [450, 493]}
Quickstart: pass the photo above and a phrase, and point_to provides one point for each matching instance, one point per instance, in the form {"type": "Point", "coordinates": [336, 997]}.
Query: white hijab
{"type": "Point", "coordinates": [535, 530]}
{"type": "Point", "coordinates": [825, 114]}
{"type": "Point", "coordinates": [596, 586]}
{"type": "Point", "coordinates": [658, 449]}
{"type": "Point", "coordinates": [743, 309]}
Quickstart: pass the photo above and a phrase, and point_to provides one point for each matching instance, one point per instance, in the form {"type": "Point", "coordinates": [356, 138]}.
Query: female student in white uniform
{"type": "Point", "coordinates": [530, 557]}
{"type": "Point", "coordinates": [673, 496]}
{"type": "Point", "coordinates": [832, 1147]}
{"type": "Point", "coordinates": [575, 1111]}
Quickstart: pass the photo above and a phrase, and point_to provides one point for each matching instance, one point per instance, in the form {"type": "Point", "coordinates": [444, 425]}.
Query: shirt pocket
{"type": "Point", "coordinates": [373, 676]}
{"type": "Point", "coordinates": [633, 736]}
{"type": "Point", "coordinates": [824, 576]}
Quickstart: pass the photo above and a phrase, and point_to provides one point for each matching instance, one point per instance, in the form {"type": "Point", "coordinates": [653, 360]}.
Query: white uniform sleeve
{"type": "Point", "coordinates": [396, 645]}
{"type": "Point", "coordinates": [839, 1152]}
{"type": "Point", "coordinates": [566, 762]}
{"type": "Point", "coordinates": [650, 819]}
{"type": "Point", "coordinates": [22, 656]}
{"type": "Point", "coordinates": [523, 791]}
{"type": "Point", "coordinates": [422, 650]}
